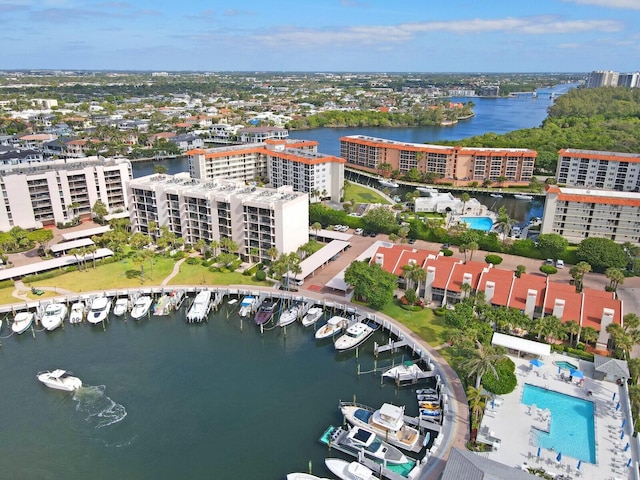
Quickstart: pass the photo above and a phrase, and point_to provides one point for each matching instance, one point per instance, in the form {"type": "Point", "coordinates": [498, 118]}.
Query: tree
{"type": "Point", "coordinates": [380, 219]}
{"type": "Point", "coordinates": [99, 209]}
{"type": "Point", "coordinates": [477, 402]}
{"type": "Point", "coordinates": [472, 247]}
{"type": "Point", "coordinates": [572, 327]}
{"type": "Point", "coordinates": [41, 236]}
{"type": "Point", "coordinates": [578, 272]}
{"type": "Point", "coordinates": [371, 282]}
{"type": "Point", "coordinates": [393, 237]}
{"type": "Point", "coordinates": [616, 277]}
{"type": "Point", "coordinates": [589, 335]}
{"type": "Point", "coordinates": [159, 169]}
{"type": "Point", "coordinates": [316, 227]}
{"type": "Point", "coordinates": [465, 197]}
{"type": "Point", "coordinates": [71, 209]}
{"type": "Point", "coordinates": [520, 269]}
{"type": "Point", "coordinates": [139, 240]}
{"type": "Point", "coordinates": [272, 253]}
{"type": "Point", "coordinates": [503, 222]}
{"type": "Point", "coordinates": [418, 275]}
{"type": "Point", "coordinates": [462, 248]}
{"type": "Point", "coordinates": [548, 270]}
{"type": "Point", "coordinates": [601, 253]}
{"type": "Point", "coordinates": [200, 245]}
{"type": "Point", "coordinates": [552, 245]}
{"type": "Point", "coordinates": [483, 361]}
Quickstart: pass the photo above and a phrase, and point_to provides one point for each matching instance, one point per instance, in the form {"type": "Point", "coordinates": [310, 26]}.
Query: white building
{"type": "Point", "coordinates": [260, 134]}
{"type": "Point", "coordinates": [602, 78]}
{"type": "Point", "coordinates": [596, 169]}
{"type": "Point", "coordinates": [59, 190]}
{"type": "Point", "coordinates": [442, 202]}
{"type": "Point", "coordinates": [253, 217]}
{"type": "Point", "coordinates": [579, 213]}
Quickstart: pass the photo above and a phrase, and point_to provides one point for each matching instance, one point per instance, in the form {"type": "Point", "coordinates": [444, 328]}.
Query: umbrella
{"type": "Point", "coordinates": [493, 404]}
{"type": "Point", "coordinates": [624, 422]}
{"type": "Point", "coordinates": [629, 463]}
{"type": "Point", "coordinates": [538, 452]}
{"type": "Point", "coordinates": [559, 369]}
{"type": "Point", "coordinates": [626, 447]}
{"type": "Point", "coordinates": [579, 464]}
{"type": "Point", "coordinates": [617, 406]}
{"type": "Point", "coordinates": [559, 457]}
{"type": "Point", "coordinates": [614, 396]}
{"type": "Point", "coordinates": [576, 373]}
{"type": "Point", "coordinates": [621, 435]}
{"type": "Point", "coordinates": [536, 362]}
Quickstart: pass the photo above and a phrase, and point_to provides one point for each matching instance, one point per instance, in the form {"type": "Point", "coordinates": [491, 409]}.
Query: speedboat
{"type": "Point", "coordinates": [246, 306]}
{"type": "Point", "coordinates": [312, 316]}
{"type": "Point", "coordinates": [303, 476]}
{"type": "Point", "coordinates": [497, 195]}
{"type": "Point", "coordinates": [406, 372]}
{"type": "Point", "coordinates": [387, 422]}
{"type": "Point", "coordinates": [265, 311]}
{"type": "Point", "coordinates": [388, 183]}
{"type": "Point", "coordinates": [22, 321]}
{"type": "Point", "coordinates": [349, 470]}
{"type": "Point", "coordinates": [427, 190]}
{"type": "Point", "coordinates": [333, 326]}
{"type": "Point", "coordinates": [59, 380]}
{"type": "Point", "coordinates": [520, 196]}
{"type": "Point", "coordinates": [76, 315]}
{"type": "Point", "coordinates": [200, 307]}
{"type": "Point", "coordinates": [289, 316]}
{"type": "Point", "coordinates": [100, 308]}
{"type": "Point", "coordinates": [362, 439]}
{"type": "Point", "coordinates": [54, 315]}
{"type": "Point", "coordinates": [121, 307]}
{"type": "Point", "coordinates": [355, 335]}
{"type": "Point", "coordinates": [141, 307]}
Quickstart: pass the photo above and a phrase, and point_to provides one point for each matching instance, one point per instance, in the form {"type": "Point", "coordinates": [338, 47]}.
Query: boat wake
{"type": "Point", "coordinates": [101, 410]}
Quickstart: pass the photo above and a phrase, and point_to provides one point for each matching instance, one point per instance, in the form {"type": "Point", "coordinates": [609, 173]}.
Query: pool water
{"type": "Point", "coordinates": [572, 429]}
{"type": "Point", "coordinates": [565, 365]}
{"type": "Point", "coordinates": [478, 223]}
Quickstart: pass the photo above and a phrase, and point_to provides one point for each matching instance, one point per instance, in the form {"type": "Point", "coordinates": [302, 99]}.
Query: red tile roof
{"type": "Point", "coordinates": [474, 268]}
{"type": "Point", "coordinates": [503, 280]}
{"type": "Point", "coordinates": [594, 303]}
{"type": "Point", "coordinates": [444, 268]}
{"type": "Point", "coordinates": [572, 301]}
{"type": "Point", "coordinates": [526, 282]}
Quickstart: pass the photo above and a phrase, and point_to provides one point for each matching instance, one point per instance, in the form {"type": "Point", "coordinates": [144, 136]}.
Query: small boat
{"type": "Point", "coordinates": [387, 422]}
{"type": "Point", "coordinates": [247, 305]}
{"type": "Point", "coordinates": [141, 307]}
{"type": "Point", "coordinates": [233, 301]}
{"type": "Point", "coordinates": [497, 195]}
{"type": "Point", "coordinates": [520, 196]}
{"type": "Point", "coordinates": [22, 321]}
{"type": "Point", "coordinates": [349, 470]}
{"type": "Point", "coordinates": [167, 303]}
{"type": "Point", "coordinates": [333, 326]}
{"type": "Point", "coordinates": [59, 380]}
{"type": "Point", "coordinates": [200, 307]}
{"type": "Point", "coordinates": [289, 316]}
{"type": "Point", "coordinates": [76, 315]}
{"type": "Point", "coordinates": [312, 316]}
{"type": "Point", "coordinates": [406, 372]}
{"type": "Point", "coordinates": [54, 315]}
{"type": "Point", "coordinates": [355, 335]}
{"type": "Point", "coordinates": [363, 439]}
{"type": "Point", "coordinates": [388, 183]}
{"type": "Point", "coordinates": [303, 476]}
{"type": "Point", "coordinates": [265, 311]}
{"type": "Point", "coordinates": [121, 307]}
{"type": "Point", "coordinates": [100, 308]}
{"type": "Point", "coordinates": [427, 189]}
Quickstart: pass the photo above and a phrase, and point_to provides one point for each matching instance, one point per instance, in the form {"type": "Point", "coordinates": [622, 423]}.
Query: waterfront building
{"type": "Point", "coordinates": [630, 80]}
{"type": "Point", "coordinates": [579, 213]}
{"type": "Point", "coordinates": [602, 78]}
{"type": "Point", "coordinates": [260, 134]}
{"type": "Point", "coordinates": [255, 218]}
{"type": "Point", "coordinates": [598, 169]}
{"type": "Point", "coordinates": [459, 165]}
{"type": "Point", "coordinates": [60, 190]}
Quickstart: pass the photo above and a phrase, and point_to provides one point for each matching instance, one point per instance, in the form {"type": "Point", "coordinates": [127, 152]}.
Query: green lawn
{"type": "Point", "coordinates": [423, 322]}
{"type": "Point", "coordinates": [361, 194]}
{"type": "Point", "coordinates": [199, 275]}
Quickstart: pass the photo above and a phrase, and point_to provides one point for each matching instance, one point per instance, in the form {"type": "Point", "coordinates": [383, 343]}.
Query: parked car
{"type": "Point", "coordinates": [412, 241]}
{"type": "Point", "coordinates": [358, 231]}
{"type": "Point", "coordinates": [549, 261]}
{"type": "Point", "coordinates": [559, 263]}
{"type": "Point", "coordinates": [445, 246]}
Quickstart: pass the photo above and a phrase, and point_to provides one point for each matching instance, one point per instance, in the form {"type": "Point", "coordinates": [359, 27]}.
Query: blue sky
{"type": "Point", "coordinates": [322, 35]}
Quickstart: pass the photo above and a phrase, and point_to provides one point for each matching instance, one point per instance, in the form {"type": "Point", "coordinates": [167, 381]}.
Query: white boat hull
{"type": "Point", "coordinates": [22, 322]}
{"type": "Point", "coordinates": [100, 309]}
{"type": "Point", "coordinates": [312, 316]}
{"type": "Point", "coordinates": [333, 326]}
{"type": "Point", "coordinates": [54, 315]}
{"type": "Point", "coordinates": [200, 307]}
{"type": "Point", "coordinates": [59, 380]}
{"type": "Point", "coordinates": [121, 306]}
{"type": "Point", "coordinates": [77, 313]}
{"type": "Point", "coordinates": [355, 335]}
{"type": "Point", "coordinates": [141, 307]}
{"type": "Point", "coordinates": [348, 470]}
{"type": "Point", "coordinates": [303, 476]}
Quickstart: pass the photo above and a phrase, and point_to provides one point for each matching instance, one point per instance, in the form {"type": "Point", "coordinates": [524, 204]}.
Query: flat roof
{"type": "Point", "coordinates": [45, 265]}
{"type": "Point", "coordinates": [62, 246]}
{"type": "Point", "coordinates": [322, 256]}
{"type": "Point", "coordinates": [521, 344]}
{"type": "Point", "coordinates": [333, 234]}
{"type": "Point", "coordinates": [89, 232]}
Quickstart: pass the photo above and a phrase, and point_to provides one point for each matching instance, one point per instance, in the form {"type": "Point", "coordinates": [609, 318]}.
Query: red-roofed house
{"type": "Point", "coordinates": [438, 276]}
{"type": "Point", "coordinates": [527, 293]}
{"type": "Point", "coordinates": [599, 309]}
{"type": "Point", "coordinates": [462, 273]}
{"type": "Point", "coordinates": [562, 301]}
{"type": "Point", "coordinates": [496, 284]}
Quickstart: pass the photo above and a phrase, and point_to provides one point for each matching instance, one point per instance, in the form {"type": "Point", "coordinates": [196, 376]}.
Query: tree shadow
{"type": "Point", "coordinates": [130, 274]}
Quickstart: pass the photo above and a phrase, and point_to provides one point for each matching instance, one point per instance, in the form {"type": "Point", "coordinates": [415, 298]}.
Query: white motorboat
{"type": "Point", "coordinates": [54, 315]}
{"type": "Point", "coordinates": [497, 195]}
{"type": "Point", "coordinates": [59, 380]}
{"type": "Point", "coordinates": [121, 307]}
{"type": "Point", "coordinates": [200, 307]}
{"type": "Point", "coordinates": [76, 315]}
{"type": "Point", "coordinates": [388, 183]}
{"type": "Point", "coordinates": [312, 316]}
{"type": "Point", "coordinates": [520, 196]}
{"type": "Point", "coordinates": [333, 326]}
{"type": "Point", "coordinates": [303, 476]}
{"type": "Point", "coordinates": [427, 189]}
{"type": "Point", "coordinates": [22, 321]}
{"type": "Point", "coordinates": [141, 307]}
{"type": "Point", "coordinates": [387, 422]}
{"type": "Point", "coordinates": [349, 470]}
{"type": "Point", "coordinates": [406, 372]}
{"type": "Point", "coordinates": [247, 306]}
{"type": "Point", "coordinates": [358, 440]}
{"type": "Point", "coordinates": [355, 335]}
{"type": "Point", "coordinates": [100, 308]}
{"type": "Point", "coordinates": [289, 316]}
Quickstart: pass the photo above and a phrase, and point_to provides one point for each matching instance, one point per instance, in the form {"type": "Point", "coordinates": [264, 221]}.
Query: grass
{"type": "Point", "coordinates": [361, 194]}
{"type": "Point", "coordinates": [199, 275]}
{"type": "Point", "coordinates": [423, 322]}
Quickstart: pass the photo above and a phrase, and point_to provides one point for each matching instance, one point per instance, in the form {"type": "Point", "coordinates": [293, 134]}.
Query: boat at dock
{"type": "Point", "coordinates": [200, 307]}
{"type": "Point", "coordinates": [120, 307]}
{"type": "Point", "coordinates": [141, 307]}
{"type": "Point", "coordinates": [100, 308]}
{"type": "Point", "coordinates": [407, 372]}
{"type": "Point", "coordinates": [520, 196]}
{"type": "Point", "coordinates": [355, 335]}
{"type": "Point", "coordinates": [303, 476]}
{"type": "Point", "coordinates": [54, 315]}
{"type": "Point", "coordinates": [388, 183]}
{"type": "Point", "coordinates": [427, 190]}
{"type": "Point", "coordinates": [358, 439]}
{"type": "Point", "coordinates": [312, 316]}
{"type": "Point", "coordinates": [169, 302]}
{"type": "Point", "coordinates": [22, 321]}
{"type": "Point", "coordinates": [265, 311]}
{"type": "Point", "coordinates": [247, 306]}
{"type": "Point", "coordinates": [76, 315]}
{"type": "Point", "coordinates": [349, 470]}
{"type": "Point", "coordinates": [289, 316]}
{"type": "Point", "coordinates": [334, 325]}
{"type": "Point", "coordinates": [497, 195]}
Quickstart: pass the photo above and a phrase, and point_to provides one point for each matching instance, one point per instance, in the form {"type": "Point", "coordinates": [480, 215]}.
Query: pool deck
{"type": "Point", "coordinates": [512, 422]}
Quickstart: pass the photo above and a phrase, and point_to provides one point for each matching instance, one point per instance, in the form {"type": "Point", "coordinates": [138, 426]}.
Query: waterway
{"type": "Point", "coordinates": [165, 400]}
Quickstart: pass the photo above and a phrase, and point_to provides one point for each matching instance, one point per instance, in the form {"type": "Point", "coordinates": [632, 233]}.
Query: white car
{"type": "Point", "coordinates": [559, 263]}
{"type": "Point", "coordinates": [357, 231]}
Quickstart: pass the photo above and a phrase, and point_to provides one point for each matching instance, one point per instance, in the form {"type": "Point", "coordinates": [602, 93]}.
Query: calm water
{"type": "Point", "coordinates": [167, 400]}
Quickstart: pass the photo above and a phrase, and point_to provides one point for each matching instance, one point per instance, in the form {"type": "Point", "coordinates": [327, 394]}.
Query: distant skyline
{"type": "Point", "coordinates": [322, 35]}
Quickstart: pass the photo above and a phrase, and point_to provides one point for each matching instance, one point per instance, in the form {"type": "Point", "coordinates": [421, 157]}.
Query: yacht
{"type": "Point", "coordinates": [246, 306]}
{"type": "Point", "coordinates": [100, 308]}
{"type": "Point", "coordinates": [76, 315]}
{"type": "Point", "coordinates": [349, 470]}
{"type": "Point", "coordinates": [333, 326]}
{"type": "Point", "coordinates": [289, 316]}
{"type": "Point", "coordinates": [265, 311]}
{"type": "Point", "coordinates": [22, 321]}
{"type": "Point", "coordinates": [200, 307]}
{"type": "Point", "coordinates": [358, 440]}
{"type": "Point", "coordinates": [59, 380]}
{"type": "Point", "coordinates": [427, 189]}
{"type": "Point", "coordinates": [141, 307]}
{"type": "Point", "coordinates": [54, 315]}
{"type": "Point", "coordinates": [312, 316]}
{"type": "Point", "coordinates": [121, 307]}
{"type": "Point", "coordinates": [355, 335]}
{"type": "Point", "coordinates": [387, 182]}
{"type": "Point", "coordinates": [406, 372]}
{"type": "Point", "coordinates": [497, 195]}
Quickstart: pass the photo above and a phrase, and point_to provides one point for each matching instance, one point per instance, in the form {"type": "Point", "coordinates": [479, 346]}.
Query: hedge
{"type": "Point", "coordinates": [506, 381]}
{"type": "Point", "coordinates": [493, 259]}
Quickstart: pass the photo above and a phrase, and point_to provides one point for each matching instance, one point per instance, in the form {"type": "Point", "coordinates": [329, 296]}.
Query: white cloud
{"type": "Point", "coordinates": [626, 4]}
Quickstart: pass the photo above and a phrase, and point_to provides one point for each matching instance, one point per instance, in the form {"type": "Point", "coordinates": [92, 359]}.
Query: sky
{"type": "Point", "coordinates": [322, 35]}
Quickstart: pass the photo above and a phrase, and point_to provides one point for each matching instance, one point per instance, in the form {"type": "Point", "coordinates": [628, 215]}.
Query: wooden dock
{"type": "Point", "coordinates": [390, 347]}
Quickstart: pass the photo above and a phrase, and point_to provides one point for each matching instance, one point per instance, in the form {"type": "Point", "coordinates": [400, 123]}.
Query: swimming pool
{"type": "Point", "coordinates": [478, 223]}
{"type": "Point", "coordinates": [565, 365]}
{"type": "Point", "coordinates": [572, 429]}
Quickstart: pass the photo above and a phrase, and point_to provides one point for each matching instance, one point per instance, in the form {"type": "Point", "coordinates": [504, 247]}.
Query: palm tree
{"type": "Point", "coordinates": [418, 275]}
{"type": "Point", "coordinates": [463, 249]}
{"type": "Point", "coordinates": [477, 401]}
{"type": "Point", "coordinates": [316, 227]}
{"type": "Point", "coordinates": [589, 334]}
{"type": "Point", "coordinates": [482, 362]}
{"type": "Point", "coordinates": [406, 274]}
{"type": "Point", "coordinates": [572, 327]}
{"type": "Point", "coordinates": [465, 197]}
{"type": "Point", "coordinates": [578, 272]}
{"type": "Point", "coordinates": [472, 247]}
{"type": "Point", "coordinates": [92, 249]}
{"type": "Point", "coordinates": [503, 223]}
{"type": "Point", "coordinates": [465, 288]}
{"type": "Point", "coordinates": [273, 253]}
{"type": "Point", "coordinates": [616, 277]}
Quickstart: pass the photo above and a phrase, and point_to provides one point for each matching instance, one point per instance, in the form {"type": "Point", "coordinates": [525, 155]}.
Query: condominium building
{"type": "Point", "coordinates": [277, 162]}
{"type": "Point", "coordinates": [596, 169]}
{"type": "Point", "coordinates": [602, 78]}
{"type": "Point", "coordinates": [255, 218]}
{"type": "Point", "coordinates": [460, 165]}
{"type": "Point", "coordinates": [59, 190]}
{"type": "Point", "coordinates": [579, 213]}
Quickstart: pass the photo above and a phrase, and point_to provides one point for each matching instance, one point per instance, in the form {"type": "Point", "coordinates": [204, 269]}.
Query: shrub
{"type": "Point", "coordinates": [446, 252]}
{"type": "Point", "coordinates": [6, 283]}
{"type": "Point", "coordinates": [193, 261]}
{"type": "Point", "coordinates": [214, 269]}
{"type": "Point", "coordinates": [493, 259]}
{"type": "Point", "coordinates": [439, 312]}
{"type": "Point", "coordinates": [179, 255]}
{"type": "Point", "coordinates": [506, 381]}
{"type": "Point", "coordinates": [261, 275]}
{"type": "Point", "coordinates": [548, 269]}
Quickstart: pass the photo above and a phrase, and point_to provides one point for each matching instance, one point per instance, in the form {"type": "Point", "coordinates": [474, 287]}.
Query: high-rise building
{"type": "Point", "coordinates": [602, 78]}
{"type": "Point", "coordinates": [598, 169]}
{"type": "Point", "coordinates": [631, 80]}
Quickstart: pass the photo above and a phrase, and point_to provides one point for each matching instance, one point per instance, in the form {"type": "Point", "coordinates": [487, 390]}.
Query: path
{"type": "Point", "coordinates": [21, 287]}
{"type": "Point", "coordinates": [175, 271]}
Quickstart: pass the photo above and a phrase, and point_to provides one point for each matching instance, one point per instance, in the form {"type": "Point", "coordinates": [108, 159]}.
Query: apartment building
{"type": "Point", "coordinates": [579, 213]}
{"type": "Point", "coordinates": [602, 78]}
{"type": "Point", "coordinates": [257, 219]}
{"type": "Point", "coordinates": [59, 190]}
{"type": "Point", "coordinates": [596, 169]}
{"type": "Point", "coordinates": [277, 162]}
{"type": "Point", "coordinates": [260, 134]}
{"type": "Point", "coordinates": [460, 165]}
